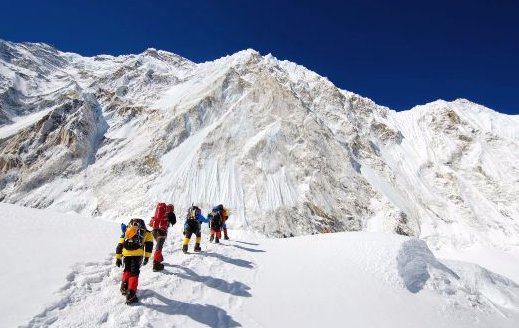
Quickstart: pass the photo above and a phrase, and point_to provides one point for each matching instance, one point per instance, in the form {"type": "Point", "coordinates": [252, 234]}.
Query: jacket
{"type": "Point", "coordinates": [146, 249]}
{"type": "Point", "coordinates": [200, 218]}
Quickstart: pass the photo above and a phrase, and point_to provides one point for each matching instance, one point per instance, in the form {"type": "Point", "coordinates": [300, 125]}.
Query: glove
{"type": "Point", "coordinates": [118, 263]}
{"type": "Point", "coordinates": [145, 261]}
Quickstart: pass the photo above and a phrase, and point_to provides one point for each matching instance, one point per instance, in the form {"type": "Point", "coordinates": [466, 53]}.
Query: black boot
{"type": "Point", "coordinates": [124, 288]}
{"type": "Point", "coordinates": [211, 238]}
{"type": "Point", "coordinates": [157, 266]}
{"type": "Point", "coordinates": [217, 240]}
{"type": "Point", "coordinates": [131, 297]}
{"type": "Point", "coordinates": [184, 248]}
{"type": "Point", "coordinates": [197, 247]}
{"type": "Point", "coordinates": [226, 237]}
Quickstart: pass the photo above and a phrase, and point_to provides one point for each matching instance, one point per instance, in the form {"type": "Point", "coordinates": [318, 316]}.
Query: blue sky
{"type": "Point", "coordinates": [398, 53]}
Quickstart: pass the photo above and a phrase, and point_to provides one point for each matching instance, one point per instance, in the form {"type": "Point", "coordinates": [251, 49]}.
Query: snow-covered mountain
{"type": "Point", "coordinates": [285, 149]}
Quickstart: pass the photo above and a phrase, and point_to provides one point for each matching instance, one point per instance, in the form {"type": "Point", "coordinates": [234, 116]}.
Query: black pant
{"type": "Point", "coordinates": [132, 264]}
{"type": "Point", "coordinates": [160, 237]}
{"type": "Point", "coordinates": [192, 227]}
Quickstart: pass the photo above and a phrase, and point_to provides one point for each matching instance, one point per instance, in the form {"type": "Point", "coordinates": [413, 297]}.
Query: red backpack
{"type": "Point", "coordinates": [160, 219]}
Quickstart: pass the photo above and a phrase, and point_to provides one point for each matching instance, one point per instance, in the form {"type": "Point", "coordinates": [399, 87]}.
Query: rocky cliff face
{"type": "Point", "coordinates": [285, 149]}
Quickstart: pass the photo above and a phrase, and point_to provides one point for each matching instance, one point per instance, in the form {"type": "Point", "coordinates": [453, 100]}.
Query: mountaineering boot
{"type": "Point", "coordinates": [131, 297]}
{"type": "Point", "coordinates": [211, 238]}
{"type": "Point", "coordinates": [157, 266]}
{"type": "Point", "coordinates": [184, 248]}
{"type": "Point", "coordinates": [197, 247]}
{"type": "Point", "coordinates": [225, 236]}
{"type": "Point", "coordinates": [124, 288]}
{"type": "Point", "coordinates": [217, 240]}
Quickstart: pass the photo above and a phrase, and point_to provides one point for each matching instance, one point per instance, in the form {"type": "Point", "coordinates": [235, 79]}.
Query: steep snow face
{"type": "Point", "coordinates": [286, 150]}
{"type": "Point", "coordinates": [458, 169]}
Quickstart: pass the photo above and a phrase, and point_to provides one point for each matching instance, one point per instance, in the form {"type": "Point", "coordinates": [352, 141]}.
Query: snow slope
{"type": "Point", "coordinates": [357, 279]}
{"type": "Point", "coordinates": [43, 250]}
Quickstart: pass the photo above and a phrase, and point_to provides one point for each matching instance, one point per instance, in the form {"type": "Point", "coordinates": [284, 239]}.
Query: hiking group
{"type": "Point", "coordinates": [135, 244]}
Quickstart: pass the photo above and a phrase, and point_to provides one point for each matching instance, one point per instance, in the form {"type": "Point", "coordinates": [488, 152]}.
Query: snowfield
{"type": "Point", "coordinates": [61, 273]}
{"type": "Point", "coordinates": [43, 251]}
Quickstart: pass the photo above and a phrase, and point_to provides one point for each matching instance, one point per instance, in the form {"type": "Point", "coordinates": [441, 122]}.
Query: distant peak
{"type": "Point", "coordinates": [248, 52]}
{"type": "Point", "coordinates": [242, 57]}
{"type": "Point", "coordinates": [437, 106]}
{"type": "Point", "coordinates": [463, 101]}
{"type": "Point", "coordinates": [164, 55]}
{"type": "Point", "coordinates": [246, 55]}
{"type": "Point", "coordinates": [150, 51]}
{"type": "Point", "coordinates": [443, 103]}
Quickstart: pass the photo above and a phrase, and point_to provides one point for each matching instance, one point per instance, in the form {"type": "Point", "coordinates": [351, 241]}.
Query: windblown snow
{"type": "Point", "coordinates": [289, 154]}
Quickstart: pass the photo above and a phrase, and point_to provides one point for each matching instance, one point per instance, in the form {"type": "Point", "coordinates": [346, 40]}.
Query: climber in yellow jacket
{"type": "Point", "coordinates": [134, 248]}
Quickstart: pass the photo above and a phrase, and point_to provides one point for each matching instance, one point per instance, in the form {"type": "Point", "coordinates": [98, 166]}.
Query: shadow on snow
{"type": "Point", "coordinates": [237, 262]}
{"type": "Point", "coordinates": [415, 261]}
{"type": "Point", "coordinates": [207, 314]}
{"type": "Point", "coordinates": [244, 242]}
{"type": "Point", "coordinates": [235, 288]}
{"type": "Point", "coordinates": [249, 249]}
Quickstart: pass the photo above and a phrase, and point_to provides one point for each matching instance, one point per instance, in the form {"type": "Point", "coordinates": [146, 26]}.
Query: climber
{"type": "Point", "coordinates": [135, 244]}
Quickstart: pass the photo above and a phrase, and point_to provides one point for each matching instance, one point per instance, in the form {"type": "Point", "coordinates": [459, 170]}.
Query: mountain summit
{"type": "Point", "coordinates": [285, 149]}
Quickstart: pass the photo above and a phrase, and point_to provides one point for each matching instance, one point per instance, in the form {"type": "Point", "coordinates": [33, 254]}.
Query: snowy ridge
{"type": "Point", "coordinates": [285, 149]}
